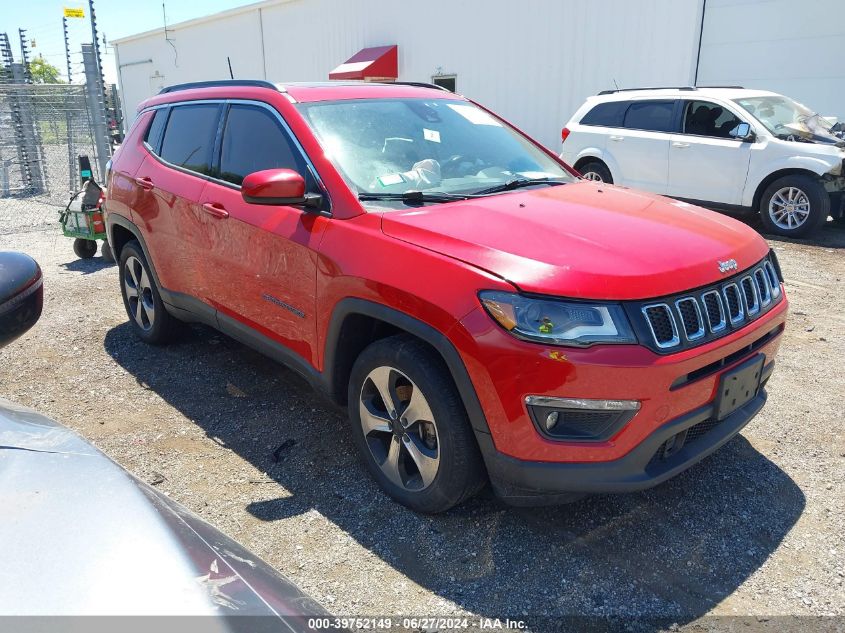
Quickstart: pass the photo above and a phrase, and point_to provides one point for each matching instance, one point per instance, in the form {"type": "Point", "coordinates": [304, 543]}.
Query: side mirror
{"type": "Point", "coordinates": [278, 187]}
{"type": "Point", "coordinates": [21, 295]}
{"type": "Point", "coordinates": [742, 132]}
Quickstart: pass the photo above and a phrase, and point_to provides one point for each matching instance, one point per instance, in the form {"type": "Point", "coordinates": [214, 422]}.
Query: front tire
{"type": "Point", "coordinates": [794, 206]}
{"type": "Point", "coordinates": [596, 171]}
{"type": "Point", "coordinates": [410, 426]}
{"type": "Point", "coordinates": [149, 319]}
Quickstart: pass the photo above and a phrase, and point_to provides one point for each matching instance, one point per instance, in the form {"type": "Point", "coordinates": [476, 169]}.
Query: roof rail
{"type": "Point", "coordinates": [417, 84]}
{"type": "Point", "coordinates": [219, 83]}
{"type": "Point", "coordinates": [615, 90]}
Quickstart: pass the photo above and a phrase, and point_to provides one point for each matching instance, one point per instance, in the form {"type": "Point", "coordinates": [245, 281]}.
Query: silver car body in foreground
{"type": "Point", "coordinates": [81, 536]}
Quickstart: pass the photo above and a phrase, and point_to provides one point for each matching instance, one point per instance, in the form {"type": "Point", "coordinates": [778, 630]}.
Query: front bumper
{"type": "Point", "coordinates": [521, 482]}
{"type": "Point", "coordinates": [504, 371]}
{"type": "Point", "coordinates": [676, 392]}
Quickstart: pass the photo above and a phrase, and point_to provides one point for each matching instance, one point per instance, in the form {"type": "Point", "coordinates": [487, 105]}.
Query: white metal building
{"type": "Point", "coordinates": [532, 61]}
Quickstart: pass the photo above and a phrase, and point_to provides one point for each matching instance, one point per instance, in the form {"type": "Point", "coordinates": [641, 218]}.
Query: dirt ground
{"type": "Point", "coordinates": [757, 529]}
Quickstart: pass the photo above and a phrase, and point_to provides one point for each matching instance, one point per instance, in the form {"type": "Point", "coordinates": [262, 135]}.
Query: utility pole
{"type": "Point", "coordinates": [67, 50]}
{"type": "Point", "coordinates": [6, 57]}
{"type": "Point", "coordinates": [95, 40]}
{"type": "Point", "coordinates": [27, 73]}
{"type": "Point", "coordinates": [71, 150]}
{"type": "Point", "coordinates": [96, 106]}
{"type": "Point", "coordinates": [6, 77]}
{"type": "Point", "coordinates": [33, 152]}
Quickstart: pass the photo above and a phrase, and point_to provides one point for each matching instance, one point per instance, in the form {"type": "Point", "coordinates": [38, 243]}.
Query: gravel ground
{"type": "Point", "coordinates": [757, 529]}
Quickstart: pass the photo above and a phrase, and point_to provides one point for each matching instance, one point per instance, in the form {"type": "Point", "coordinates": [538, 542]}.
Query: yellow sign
{"type": "Point", "coordinates": [74, 13]}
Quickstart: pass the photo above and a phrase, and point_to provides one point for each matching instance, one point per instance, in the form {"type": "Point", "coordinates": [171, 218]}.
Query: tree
{"type": "Point", "coordinates": [43, 72]}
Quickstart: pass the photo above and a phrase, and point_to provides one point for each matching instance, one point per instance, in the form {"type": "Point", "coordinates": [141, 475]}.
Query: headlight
{"type": "Point", "coordinates": [558, 322]}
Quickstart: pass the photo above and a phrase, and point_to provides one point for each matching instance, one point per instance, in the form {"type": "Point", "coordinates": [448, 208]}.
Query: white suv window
{"type": "Point", "coordinates": [652, 116]}
{"type": "Point", "coordinates": [703, 118]}
{"type": "Point", "coordinates": [608, 114]}
{"type": "Point", "coordinates": [783, 116]}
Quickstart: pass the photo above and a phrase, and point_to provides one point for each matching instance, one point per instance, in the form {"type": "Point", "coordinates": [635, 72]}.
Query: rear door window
{"type": "Point", "coordinates": [654, 116]}
{"type": "Point", "coordinates": [608, 114]}
{"type": "Point", "coordinates": [254, 140]}
{"type": "Point", "coordinates": [189, 136]}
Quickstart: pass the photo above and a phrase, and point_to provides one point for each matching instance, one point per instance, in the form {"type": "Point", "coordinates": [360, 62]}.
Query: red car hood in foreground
{"type": "Point", "coordinates": [584, 240]}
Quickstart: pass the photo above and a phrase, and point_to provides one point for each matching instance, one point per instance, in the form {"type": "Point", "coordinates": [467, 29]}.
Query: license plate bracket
{"type": "Point", "coordinates": [739, 386]}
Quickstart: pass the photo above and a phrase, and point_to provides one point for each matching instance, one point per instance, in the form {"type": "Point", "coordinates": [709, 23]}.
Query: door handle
{"type": "Point", "coordinates": [617, 138]}
{"type": "Point", "coordinates": [216, 210]}
{"type": "Point", "coordinates": [681, 145]}
{"type": "Point", "coordinates": [144, 183]}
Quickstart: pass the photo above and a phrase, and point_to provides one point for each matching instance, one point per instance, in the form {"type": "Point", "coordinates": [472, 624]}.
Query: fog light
{"type": "Point", "coordinates": [580, 419]}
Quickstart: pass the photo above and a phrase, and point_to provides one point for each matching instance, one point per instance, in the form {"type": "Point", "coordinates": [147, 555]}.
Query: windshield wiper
{"type": "Point", "coordinates": [414, 197]}
{"type": "Point", "coordinates": [518, 184]}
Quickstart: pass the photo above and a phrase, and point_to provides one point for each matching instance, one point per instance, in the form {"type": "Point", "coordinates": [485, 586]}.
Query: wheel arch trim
{"type": "Point", "coordinates": [804, 167]}
{"type": "Point", "coordinates": [595, 154]}
{"type": "Point", "coordinates": [440, 342]}
{"type": "Point", "coordinates": [113, 220]}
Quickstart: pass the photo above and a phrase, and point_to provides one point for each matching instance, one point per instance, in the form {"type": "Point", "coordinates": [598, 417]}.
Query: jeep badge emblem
{"type": "Point", "coordinates": [727, 265]}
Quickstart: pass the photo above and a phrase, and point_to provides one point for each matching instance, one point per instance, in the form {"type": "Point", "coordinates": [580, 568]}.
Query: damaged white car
{"type": "Point", "coordinates": [736, 150]}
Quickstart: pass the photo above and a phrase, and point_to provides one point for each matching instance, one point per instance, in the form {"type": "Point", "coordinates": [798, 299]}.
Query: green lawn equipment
{"type": "Point", "coordinates": [83, 220]}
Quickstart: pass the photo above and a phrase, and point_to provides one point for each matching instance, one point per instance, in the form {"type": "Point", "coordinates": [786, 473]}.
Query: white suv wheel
{"type": "Point", "coordinates": [789, 208]}
{"type": "Point", "coordinates": [794, 205]}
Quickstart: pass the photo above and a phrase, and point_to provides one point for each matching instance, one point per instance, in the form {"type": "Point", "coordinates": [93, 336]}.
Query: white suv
{"type": "Point", "coordinates": [740, 151]}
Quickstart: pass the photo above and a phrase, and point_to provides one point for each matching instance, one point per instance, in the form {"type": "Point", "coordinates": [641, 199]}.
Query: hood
{"type": "Point", "coordinates": [584, 240]}
{"type": "Point", "coordinates": [81, 536]}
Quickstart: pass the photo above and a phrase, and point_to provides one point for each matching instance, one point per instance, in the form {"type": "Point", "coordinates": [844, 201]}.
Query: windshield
{"type": "Point", "coordinates": [443, 146]}
{"type": "Point", "coordinates": [783, 116]}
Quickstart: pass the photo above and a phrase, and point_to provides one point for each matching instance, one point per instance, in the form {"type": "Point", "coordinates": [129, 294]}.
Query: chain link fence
{"type": "Point", "coordinates": [43, 130]}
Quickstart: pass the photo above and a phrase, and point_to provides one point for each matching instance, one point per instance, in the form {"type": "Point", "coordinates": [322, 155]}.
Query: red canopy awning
{"type": "Point", "coordinates": [379, 62]}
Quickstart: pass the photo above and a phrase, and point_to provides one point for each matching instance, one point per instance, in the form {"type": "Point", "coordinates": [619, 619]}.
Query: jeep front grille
{"type": "Point", "coordinates": [736, 313]}
{"type": "Point", "coordinates": [762, 281]}
{"type": "Point", "coordinates": [662, 324]}
{"type": "Point", "coordinates": [714, 308]}
{"type": "Point", "coordinates": [708, 313]}
{"type": "Point", "coordinates": [772, 276]}
{"type": "Point", "coordinates": [751, 296]}
{"type": "Point", "coordinates": [691, 317]}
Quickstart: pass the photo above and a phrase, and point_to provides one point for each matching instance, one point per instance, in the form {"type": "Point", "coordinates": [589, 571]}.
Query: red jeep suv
{"type": "Point", "coordinates": [481, 312]}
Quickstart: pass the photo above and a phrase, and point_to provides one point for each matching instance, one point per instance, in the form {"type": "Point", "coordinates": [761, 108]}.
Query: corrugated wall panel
{"type": "Point", "coordinates": [196, 53]}
{"type": "Point", "coordinates": [534, 61]}
{"type": "Point", "coordinates": [795, 48]}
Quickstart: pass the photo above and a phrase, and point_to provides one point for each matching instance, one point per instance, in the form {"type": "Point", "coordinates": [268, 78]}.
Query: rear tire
{"type": "Point", "coordinates": [420, 448]}
{"type": "Point", "coordinates": [84, 249]}
{"type": "Point", "coordinates": [149, 319]}
{"type": "Point", "coordinates": [794, 206]}
{"type": "Point", "coordinates": [596, 171]}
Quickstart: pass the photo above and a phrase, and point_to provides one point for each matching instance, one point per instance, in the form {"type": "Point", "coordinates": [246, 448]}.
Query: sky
{"type": "Point", "coordinates": [115, 19]}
